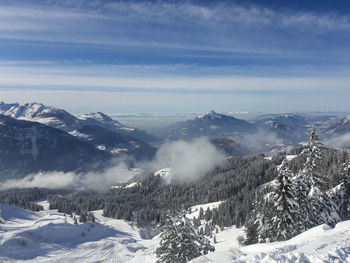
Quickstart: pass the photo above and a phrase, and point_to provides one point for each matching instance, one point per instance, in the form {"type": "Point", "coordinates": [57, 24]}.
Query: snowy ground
{"type": "Point", "coordinates": [49, 236]}
{"type": "Point", "coordinates": [195, 209]}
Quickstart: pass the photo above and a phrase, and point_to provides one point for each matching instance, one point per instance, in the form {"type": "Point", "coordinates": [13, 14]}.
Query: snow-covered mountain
{"type": "Point", "coordinates": [236, 137]}
{"type": "Point", "coordinates": [291, 120]}
{"type": "Point", "coordinates": [27, 147]}
{"type": "Point", "coordinates": [340, 128]}
{"type": "Point", "coordinates": [38, 112]}
{"type": "Point", "coordinates": [113, 142]}
{"type": "Point", "coordinates": [212, 124]}
{"type": "Point", "coordinates": [63, 120]}
{"type": "Point", "coordinates": [99, 117]}
{"type": "Point", "coordinates": [105, 121]}
{"type": "Point", "coordinates": [290, 127]}
{"type": "Point", "coordinates": [98, 128]}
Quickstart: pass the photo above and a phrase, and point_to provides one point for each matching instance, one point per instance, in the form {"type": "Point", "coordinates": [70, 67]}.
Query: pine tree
{"type": "Point", "coordinates": [322, 208]}
{"type": "Point", "coordinates": [301, 196]}
{"type": "Point", "coordinates": [180, 241]}
{"type": "Point", "coordinates": [313, 154]}
{"type": "Point", "coordinates": [263, 220]}
{"type": "Point", "coordinates": [319, 207]}
{"type": "Point", "coordinates": [251, 231]}
{"type": "Point", "coordinates": [285, 210]}
{"type": "Point", "coordinates": [344, 206]}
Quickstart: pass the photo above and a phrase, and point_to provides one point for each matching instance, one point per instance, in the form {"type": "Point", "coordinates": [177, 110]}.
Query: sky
{"type": "Point", "coordinates": [176, 56]}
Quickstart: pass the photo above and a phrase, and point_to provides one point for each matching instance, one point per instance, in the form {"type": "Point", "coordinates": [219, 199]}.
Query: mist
{"type": "Point", "coordinates": [188, 161]}
{"type": "Point", "coordinates": [118, 173]}
{"type": "Point", "coordinates": [339, 142]}
{"type": "Point", "coordinates": [260, 141]}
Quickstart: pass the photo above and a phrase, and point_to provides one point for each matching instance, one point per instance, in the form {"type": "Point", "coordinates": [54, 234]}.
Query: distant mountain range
{"type": "Point", "coordinates": [268, 133]}
{"type": "Point", "coordinates": [28, 147]}
{"type": "Point", "coordinates": [292, 128]}
{"type": "Point", "coordinates": [65, 121]}
{"type": "Point", "coordinates": [289, 127]}
{"type": "Point", "coordinates": [340, 128]}
{"type": "Point", "coordinates": [38, 137]}
{"type": "Point", "coordinates": [38, 112]}
{"type": "Point", "coordinates": [96, 128]}
{"type": "Point", "coordinates": [212, 125]}
{"type": "Point", "coordinates": [103, 120]}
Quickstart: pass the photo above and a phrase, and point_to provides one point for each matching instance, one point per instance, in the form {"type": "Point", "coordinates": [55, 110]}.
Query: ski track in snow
{"type": "Point", "coordinates": [49, 236]}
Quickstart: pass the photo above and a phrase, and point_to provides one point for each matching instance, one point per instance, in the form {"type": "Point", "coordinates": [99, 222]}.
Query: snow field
{"type": "Point", "coordinates": [49, 236]}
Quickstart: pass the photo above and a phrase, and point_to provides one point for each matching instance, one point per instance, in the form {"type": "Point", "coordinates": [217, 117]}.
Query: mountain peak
{"type": "Point", "coordinates": [213, 114]}
{"type": "Point", "coordinates": [98, 116]}
{"type": "Point", "coordinates": [28, 110]}
{"type": "Point", "coordinates": [210, 115]}
{"type": "Point", "coordinates": [39, 112]}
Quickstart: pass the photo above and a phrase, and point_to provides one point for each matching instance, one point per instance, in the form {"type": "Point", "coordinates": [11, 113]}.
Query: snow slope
{"type": "Point", "coordinates": [195, 209]}
{"type": "Point", "coordinates": [319, 244]}
{"type": "Point", "coordinates": [41, 113]}
{"type": "Point", "coordinates": [49, 236]}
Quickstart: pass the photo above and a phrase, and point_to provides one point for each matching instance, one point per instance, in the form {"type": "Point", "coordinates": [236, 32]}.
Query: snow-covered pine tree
{"type": "Point", "coordinates": [260, 222]}
{"type": "Point", "coordinates": [284, 208]}
{"type": "Point", "coordinates": [278, 214]}
{"type": "Point", "coordinates": [251, 230]}
{"type": "Point", "coordinates": [346, 182]}
{"type": "Point", "coordinates": [301, 196]}
{"type": "Point", "coordinates": [313, 154]}
{"type": "Point", "coordinates": [342, 194]}
{"type": "Point", "coordinates": [322, 208]}
{"type": "Point", "coordinates": [180, 241]}
{"type": "Point", "coordinates": [319, 208]}
{"type": "Point", "coordinates": [263, 222]}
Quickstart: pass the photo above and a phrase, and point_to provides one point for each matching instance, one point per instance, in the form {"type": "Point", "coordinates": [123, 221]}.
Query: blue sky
{"type": "Point", "coordinates": [176, 56]}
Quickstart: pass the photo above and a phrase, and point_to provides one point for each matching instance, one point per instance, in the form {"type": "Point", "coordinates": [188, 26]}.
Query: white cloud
{"type": "Point", "coordinates": [108, 78]}
{"type": "Point", "coordinates": [26, 18]}
{"type": "Point", "coordinates": [339, 142]}
{"type": "Point", "coordinates": [56, 180]}
{"type": "Point", "coordinates": [133, 24]}
{"type": "Point", "coordinates": [188, 160]}
{"type": "Point", "coordinates": [192, 99]}
{"type": "Point", "coordinates": [46, 180]}
{"type": "Point", "coordinates": [260, 141]}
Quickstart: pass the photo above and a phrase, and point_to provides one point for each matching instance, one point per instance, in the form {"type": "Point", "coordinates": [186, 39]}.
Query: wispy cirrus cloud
{"type": "Point", "coordinates": [244, 54]}
{"type": "Point", "coordinates": [140, 78]}
{"type": "Point", "coordinates": [171, 25]}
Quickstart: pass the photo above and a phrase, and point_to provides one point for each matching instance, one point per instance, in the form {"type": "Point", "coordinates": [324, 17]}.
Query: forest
{"type": "Point", "coordinates": [269, 196]}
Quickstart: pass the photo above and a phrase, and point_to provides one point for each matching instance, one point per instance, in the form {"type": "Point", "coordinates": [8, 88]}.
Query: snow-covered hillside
{"type": "Point", "coordinates": [41, 113]}
{"type": "Point", "coordinates": [49, 236]}
{"type": "Point", "coordinates": [100, 117]}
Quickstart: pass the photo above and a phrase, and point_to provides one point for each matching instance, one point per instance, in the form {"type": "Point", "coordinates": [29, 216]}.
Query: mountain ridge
{"type": "Point", "coordinates": [29, 147]}
{"type": "Point", "coordinates": [129, 139]}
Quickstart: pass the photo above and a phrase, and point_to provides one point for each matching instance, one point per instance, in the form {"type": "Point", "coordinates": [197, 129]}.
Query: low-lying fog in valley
{"type": "Point", "coordinates": [188, 161]}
